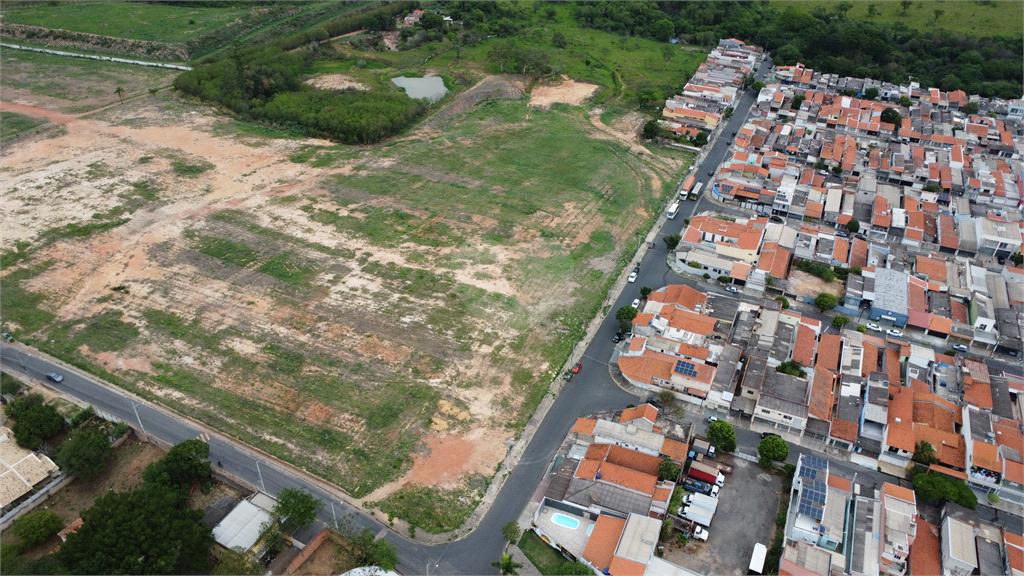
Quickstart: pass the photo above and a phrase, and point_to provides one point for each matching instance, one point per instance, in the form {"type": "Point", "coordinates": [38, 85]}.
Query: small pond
{"type": "Point", "coordinates": [431, 87]}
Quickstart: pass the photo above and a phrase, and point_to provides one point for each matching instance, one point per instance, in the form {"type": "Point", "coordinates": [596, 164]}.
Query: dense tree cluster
{"type": "Point", "coordinates": [827, 40]}
{"type": "Point", "coordinates": [265, 84]}
{"type": "Point", "coordinates": [937, 489]}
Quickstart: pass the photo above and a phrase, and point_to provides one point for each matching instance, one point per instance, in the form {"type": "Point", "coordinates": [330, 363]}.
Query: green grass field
{"type": "Point", "coordinates": [971, 18]}
{"type": "Point", "coordinates": [135, 20]}
{"type": "Point", "coordinates": [13, 124]}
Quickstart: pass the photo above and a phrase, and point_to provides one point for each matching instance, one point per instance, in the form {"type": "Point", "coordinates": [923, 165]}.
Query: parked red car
{"type": "Point", "coordinates": [577, 367]}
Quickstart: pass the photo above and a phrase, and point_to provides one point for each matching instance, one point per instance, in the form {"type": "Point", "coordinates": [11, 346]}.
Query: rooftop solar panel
{"type": "Point", "coordinates": [686, 368]}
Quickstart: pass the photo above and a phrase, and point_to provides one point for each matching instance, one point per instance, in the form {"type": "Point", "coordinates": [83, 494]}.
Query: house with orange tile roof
{"type": "Point", "coordinates": [925, 555]}
{"type": "Point", "coordinates": [727, 242]}
{"type": "Point", "coordinates": [642, 416]}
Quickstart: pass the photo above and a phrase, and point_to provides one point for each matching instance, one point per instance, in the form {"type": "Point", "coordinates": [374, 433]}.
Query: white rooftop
{"type": "Point", "coordinates": [241, 527]}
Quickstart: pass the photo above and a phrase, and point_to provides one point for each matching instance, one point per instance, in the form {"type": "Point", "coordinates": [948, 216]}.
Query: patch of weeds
{"type": "Point", "coordinates": [146, 159]}
{"type": "Point", "coordinates": [284, 360]}
{"type": "Point", "coordinates": [20, 306]}
{"type": "Point", "coordinates": [9, 258]}
{"type": "Point", "coordinates": [283, 268]}
{"type": "Point", "coordinates": [102, 333]}
{"type": "Point", "coordinates": [403, 397]}
{"type": "Point", "coordinates": [146, 190]}
{"type": "Point", "coordinates": [97, 170]}
{"type": "Point", "coordinates": [176, 327]}
{"type": "Point", "coordinates": [304, 154]}
{"type": "Point", "coordinates": [429, 508]}
{"type": "Point", "coordinates": [244, 221]}
{"type": "Point", "coordinates": [227, 251]}
{"type": "Point", "coordinates": [16, 124]}
{"type": "Point", "coordinates": [74, 230]}
{"type": "Point", "coordinates": [183, 168]}
{"type": "Point", "coordinates": [178, 379]}
{"type": "Point", "coordinates": [323, 160]}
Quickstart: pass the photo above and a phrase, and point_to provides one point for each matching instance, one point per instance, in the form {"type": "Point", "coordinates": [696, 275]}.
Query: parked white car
{"type": "Point", "coordinates": [874, 327]}
{"type": "Point", "coordinates": [636, 304]}
{"type": "Point", "coordinates": [960, 347]}
{"type": "Point", "coordinates": [632, 277]}
{"type": "Point", "coordinates": [894, 333]}
{"type": "Point", "coordinates": [731, 289]}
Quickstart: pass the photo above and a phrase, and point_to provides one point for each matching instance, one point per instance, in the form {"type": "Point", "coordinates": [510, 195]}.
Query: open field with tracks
{"type": "Point", "coordinates": [372, 314]}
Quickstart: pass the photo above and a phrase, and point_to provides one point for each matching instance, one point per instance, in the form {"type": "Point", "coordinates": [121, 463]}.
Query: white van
{"type": "Point", "coordinates": [673, 210]}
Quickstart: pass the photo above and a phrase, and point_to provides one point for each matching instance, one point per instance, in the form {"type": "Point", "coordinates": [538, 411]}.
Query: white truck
{"type": "Point", "coordinates": [700, 500]}
{"type": "Point", "coordinates": [697, 514]}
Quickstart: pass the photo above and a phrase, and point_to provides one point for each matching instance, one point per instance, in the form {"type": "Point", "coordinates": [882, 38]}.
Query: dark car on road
{"type": "Point", "coordinates": [617, 337]}
{"type": "Point", "coordinates": [767, 434]}
{"type": "Point", "coordinates": [55, 377]}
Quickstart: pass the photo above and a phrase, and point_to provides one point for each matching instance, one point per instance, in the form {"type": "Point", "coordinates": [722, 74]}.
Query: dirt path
{"type": "Point", "coordinates": [55, 117]}
{"type": "Point", "coordinates": [608, 132]}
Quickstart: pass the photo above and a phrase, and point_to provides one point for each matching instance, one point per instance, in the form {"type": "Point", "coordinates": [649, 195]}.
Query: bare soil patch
{"type": "Point", "coordinates": [567, 91]}
{"type": "Point", "coordinates": [55, 117]}
{"type": "Point", "coordinates": [808, 286]}
{"type": "Point", "coordinates": [336, 82]}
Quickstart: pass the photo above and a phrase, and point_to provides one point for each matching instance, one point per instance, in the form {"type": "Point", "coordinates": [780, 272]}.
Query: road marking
{"type": "Point", "coordinates": [204, 437]}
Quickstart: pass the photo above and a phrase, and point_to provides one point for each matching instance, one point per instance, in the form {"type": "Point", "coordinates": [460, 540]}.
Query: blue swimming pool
{"type": "Point", "coordinates": [567, 521]}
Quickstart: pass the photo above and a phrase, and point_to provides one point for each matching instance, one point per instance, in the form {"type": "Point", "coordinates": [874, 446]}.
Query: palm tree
{"type": "Point", "coordinates": [507, 565]}
{"type": "Point", "coordinates": [120, 93]}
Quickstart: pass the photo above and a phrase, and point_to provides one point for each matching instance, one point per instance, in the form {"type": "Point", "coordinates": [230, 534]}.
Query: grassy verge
{"type": "Point", "coordinates": [545, 558]}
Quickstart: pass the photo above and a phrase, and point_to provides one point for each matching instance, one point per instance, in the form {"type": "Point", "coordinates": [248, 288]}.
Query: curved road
{"type": "Point", "coordinates": [593, 390]}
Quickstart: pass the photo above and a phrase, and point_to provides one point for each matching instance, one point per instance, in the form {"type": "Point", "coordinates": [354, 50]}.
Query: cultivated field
{"type": "Point", "coordinates": [972, 18]}
{"type": "Point", "coordinates": [385, 317]}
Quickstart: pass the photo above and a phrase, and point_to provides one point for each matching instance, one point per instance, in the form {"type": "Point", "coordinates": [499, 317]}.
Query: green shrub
{"type": "Point", "coordinates": [37, 527]}
{"type": "Point", "coordinates": [694, 265]}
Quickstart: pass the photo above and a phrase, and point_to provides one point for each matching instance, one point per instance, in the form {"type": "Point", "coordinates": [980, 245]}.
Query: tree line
{"type": "Point", "coordinates": [265, 84]}
{"type": "Point", "coordinates": [827, 40]}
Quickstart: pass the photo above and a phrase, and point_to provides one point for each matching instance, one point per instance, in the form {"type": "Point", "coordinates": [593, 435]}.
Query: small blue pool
{"type": "Point", "coordinates": [567, 521]}
{"type": "Point", "coordinates": [590, 529]}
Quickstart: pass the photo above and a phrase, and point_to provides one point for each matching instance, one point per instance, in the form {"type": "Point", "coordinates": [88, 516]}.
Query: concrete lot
{"type": "Point", "coordinates": [746, 513]}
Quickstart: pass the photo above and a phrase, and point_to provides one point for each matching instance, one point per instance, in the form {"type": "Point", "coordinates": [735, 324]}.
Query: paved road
{"type": "Point", "coordinates": [593, 390]}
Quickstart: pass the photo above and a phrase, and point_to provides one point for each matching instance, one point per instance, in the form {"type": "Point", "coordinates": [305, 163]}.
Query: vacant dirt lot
{"type": "Point", "coordinates": [567, 92]}
{"type": "Point", "coordinates": [806, 285]}
{"type": "Point", "coordinates": [381, 316]}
